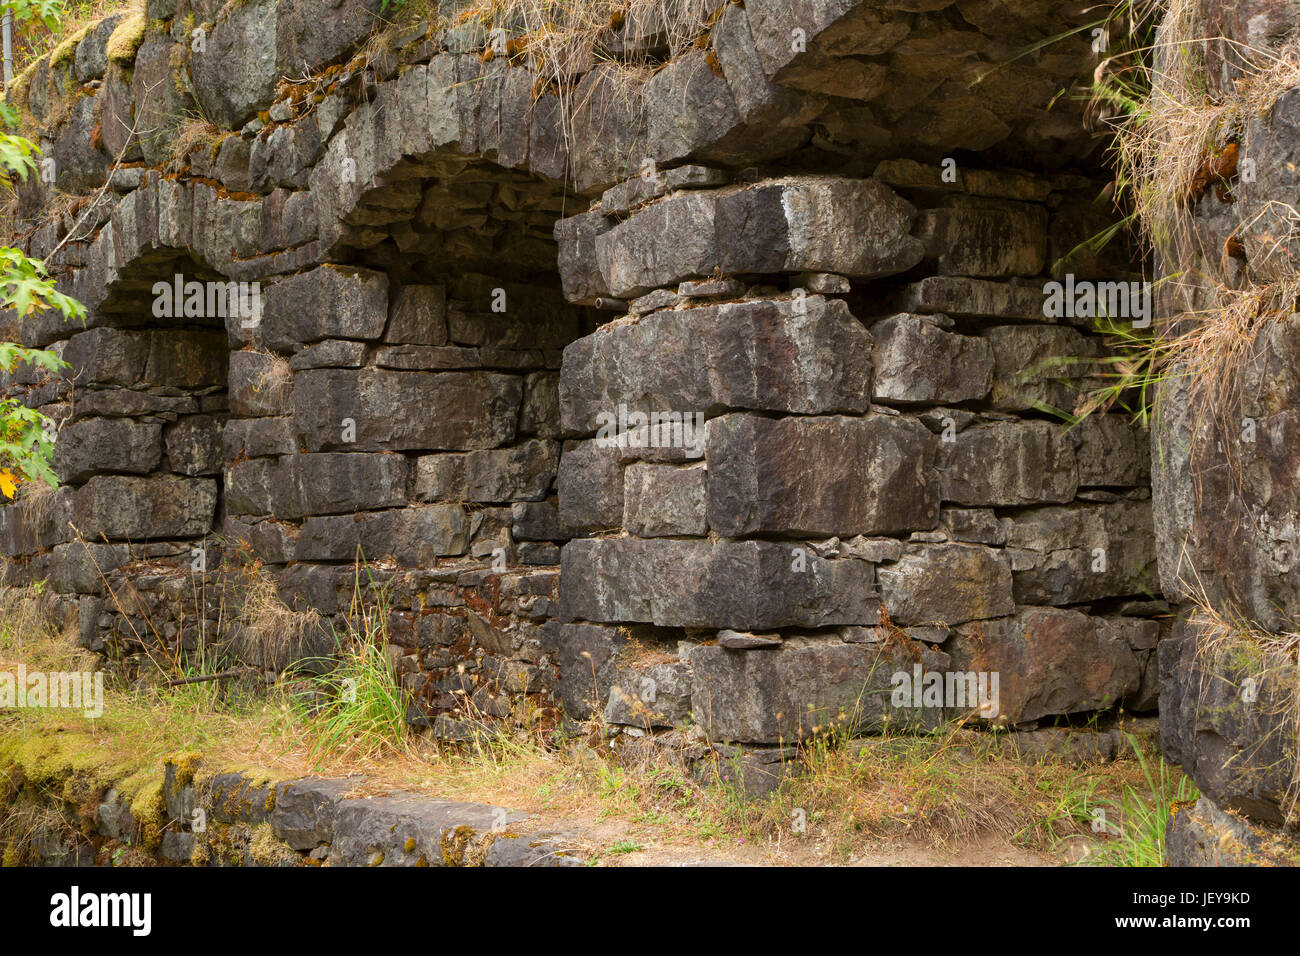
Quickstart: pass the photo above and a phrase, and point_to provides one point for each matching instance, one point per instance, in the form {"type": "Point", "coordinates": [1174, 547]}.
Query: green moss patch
{"type": "Point", "coordinates": [126, 39]}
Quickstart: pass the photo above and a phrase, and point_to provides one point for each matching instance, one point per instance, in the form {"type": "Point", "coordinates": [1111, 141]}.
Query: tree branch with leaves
{"type": "Point", "coordinates": [26, 287]}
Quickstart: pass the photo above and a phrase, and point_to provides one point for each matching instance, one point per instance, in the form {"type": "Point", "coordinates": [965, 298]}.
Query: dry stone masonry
{"type": "Point", "coordinates": [711, 395]}
{"type": "Point", "coordinates": [1224, 475]}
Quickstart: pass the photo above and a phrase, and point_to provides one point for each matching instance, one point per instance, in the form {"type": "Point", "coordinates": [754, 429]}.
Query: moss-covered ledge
{"type": "Point", "coordinates": [65, 802]}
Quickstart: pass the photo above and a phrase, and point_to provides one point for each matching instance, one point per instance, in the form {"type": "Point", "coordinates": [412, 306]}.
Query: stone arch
{"type": "Point", "coordinates": [793, 245]}
{"type": "Point", "coordinates": [139, 411]}
{"type": "Point", "coordinates": [434, 332]}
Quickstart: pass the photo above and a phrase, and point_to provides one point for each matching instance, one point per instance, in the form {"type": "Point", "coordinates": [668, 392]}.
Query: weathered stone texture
{"type": "Point", "coordinates": [1083, 553]}
{"type": "Point", "coordinates": [460, 411]}
{"type": "Point", "coordinates": [1008, 463]}
{"type": "Point", "coordinates": [95, 445]}
{"type": "Point", "coordinates": [774, 378]}
{"type": "Point", "coordinates": [1050, 661]}
{"type": "Point", "coordinates": [766, 356]}
{"type": "Point", "coordinates": [134, 509]}
{"type": "Point", "coordinates": [749, 585]}
{"type": "Point", "coordinates": [917, 360]}
{"type": "Point", "coordinates": [801, 224]}
{"type": "Point", "coordinates": [815, 475]}
{"type": "Point", "coordinates": [946, 584]}
{"type": "Point", "coordinates": [805, 687]}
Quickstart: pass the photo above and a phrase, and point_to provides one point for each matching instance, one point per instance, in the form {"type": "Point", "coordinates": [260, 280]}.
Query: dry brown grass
{"type": "Point", "coordinates": [1231, 649]}
{"type": "Point", "coordinates": [1176, 139]}
{"type": "Point", "coordinates": [36, 500]}
{"type": "Point", "coordinates": [943, 791]}
{"type": "Point", "coordinates": [557, 36]}
{"type": "Point", "coordinates": [195, 133]}
{"type": "Point", "coordinates": [275, 379]}
{"type": "Point", "coordinates": [30, 633]}
{"type": "Point", "coordinates": [271, 633]}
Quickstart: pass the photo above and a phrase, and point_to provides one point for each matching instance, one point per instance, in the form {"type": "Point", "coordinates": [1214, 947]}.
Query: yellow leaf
{"type": "Point", "coordinates": [8, 483]}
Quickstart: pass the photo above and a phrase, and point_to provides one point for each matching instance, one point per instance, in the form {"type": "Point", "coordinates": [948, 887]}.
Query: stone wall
{"type": "Point", "coordinates": [193, 811]}
{"type": "Point", "coordinates": [872, 483]}
{"type": "Point", "coordinates": [1224, 459]}
{"type": "Point", "coordinates": [818, 241]}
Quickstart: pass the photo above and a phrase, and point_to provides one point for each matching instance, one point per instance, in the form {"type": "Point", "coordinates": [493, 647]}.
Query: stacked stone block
{"type": "Point", "coordinates": [862, 475]}
{"type": "Point", "coordinates": [407, 430]}
{"type": "Point", "coordinates": [877, 480]}
{"type": "Point", "coordinates": [1223, 468]}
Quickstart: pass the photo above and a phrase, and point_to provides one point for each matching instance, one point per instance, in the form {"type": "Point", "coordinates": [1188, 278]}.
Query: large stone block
{"type": "Point", "coordinates": [248, 486]}
{"type": "Point", "coordinates": [257, 438]}
{"type": "Point", "coordinates": [579, 269]}
{"type": "Point", "coordinates": [689, 107]}
{"type": "Point", "coordinates": [1111, 452]}
{"type": "Point", "coordinates": [590, 486]}
{"type": "Point", "coordinates": [917, 360]}
{"type": "Point", "coordinates": [405, 411]}
{"type": "Point", "coordinates": [1272, 146]}
{"type": "Point", "coordinates": [853, 227]}
{"type": "Point", "coordinates": [283, 156]}
{"type": "Point", "coordinates": [1049, 661]}
{"type": "Point", "coordinates": [827, 27]}
{"type": "Point", "coordinates": [1008, 463]}
{"type": "Point", "coordinates": [665, 500]}
{"type": "Point", "coordinates": [1043, 365]}
{"type": "Point", "coordinates": [757, 98]}
{"type": "Point", "coordinates": [661, 245]}
{"type": "Point", "coordinates": [194, 359]}
{"type": "Point", "coordinates": [946, 584]}
{"type": "Point", "coordinates": [137, 509]}
{"type": "Point", "coordinates": [1205, 835]}
{"type": "Point", "coordinates": [820, 476]}
{"type": "Point", "coordinates": [523, 473]}
{"type": "Point", "coordinates": [1224, 484]}
{"type": "Point", "coordinates": [1226, 706]}
{"type": "Point", "coordinates": [235, 73]}
{"type": "Point", "coordinates": [328, 302]}
{"type": "Point", "coordinates": [765, 355]}
{"type": "Point", "coordinates": [537, 521]}
{"type": "Point", "coordinates": [159, 103]}
{"type": "Point", "coordinates": [38, 524]}
{"type": "Point", "coordinates": [107, 357]}
{"type": "Point", "coordinates": [312, 34]}
{"type": "Point", "coordinates": [803, 688]}
{"type": "Point", "coordinates": [585, 655]}
{"type": "Point", "coordinates": [81, 166]}
{"type": "Point", "coordinates": [418, 316]}
{"type": "Point", "coordinates": [158, 358]}
{"type": "Point", "coordinates": [975, 298]}
{"type": "Point", "coordinates": [534, 326]}
{"type": "Point", "coordinates": [540, 413]}
{"type": "Point", "coordinates": [982, 237]}
{"type": "Point", "coordinates": [337, 483]}
{"type": "Point", "coordinates": [92, 445]}
{"type": "Point", "coordinates": [193, 445]}
{"type": "Point", "coordinates": [649, 695]}
{"type": "Point", "coordinates": [414, 537]}
{"type": "Point", "coordinates": [741, 585]}
{"type": "Point", "coordinates": [608, 126]}
{"type": "Point", "coordinates": [1085, 552]}
{"type": "Point", "coordinates": [91, 59]}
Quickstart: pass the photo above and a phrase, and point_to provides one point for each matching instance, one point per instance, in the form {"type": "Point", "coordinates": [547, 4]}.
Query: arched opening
{"type": "Point", "coordinates": [416, 445]}
{"type": "Point", "coordinates": [138, 452]}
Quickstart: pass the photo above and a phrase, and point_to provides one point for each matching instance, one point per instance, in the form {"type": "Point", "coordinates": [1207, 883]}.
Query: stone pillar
{"type": "Point", "coordinates": [794, 478]}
